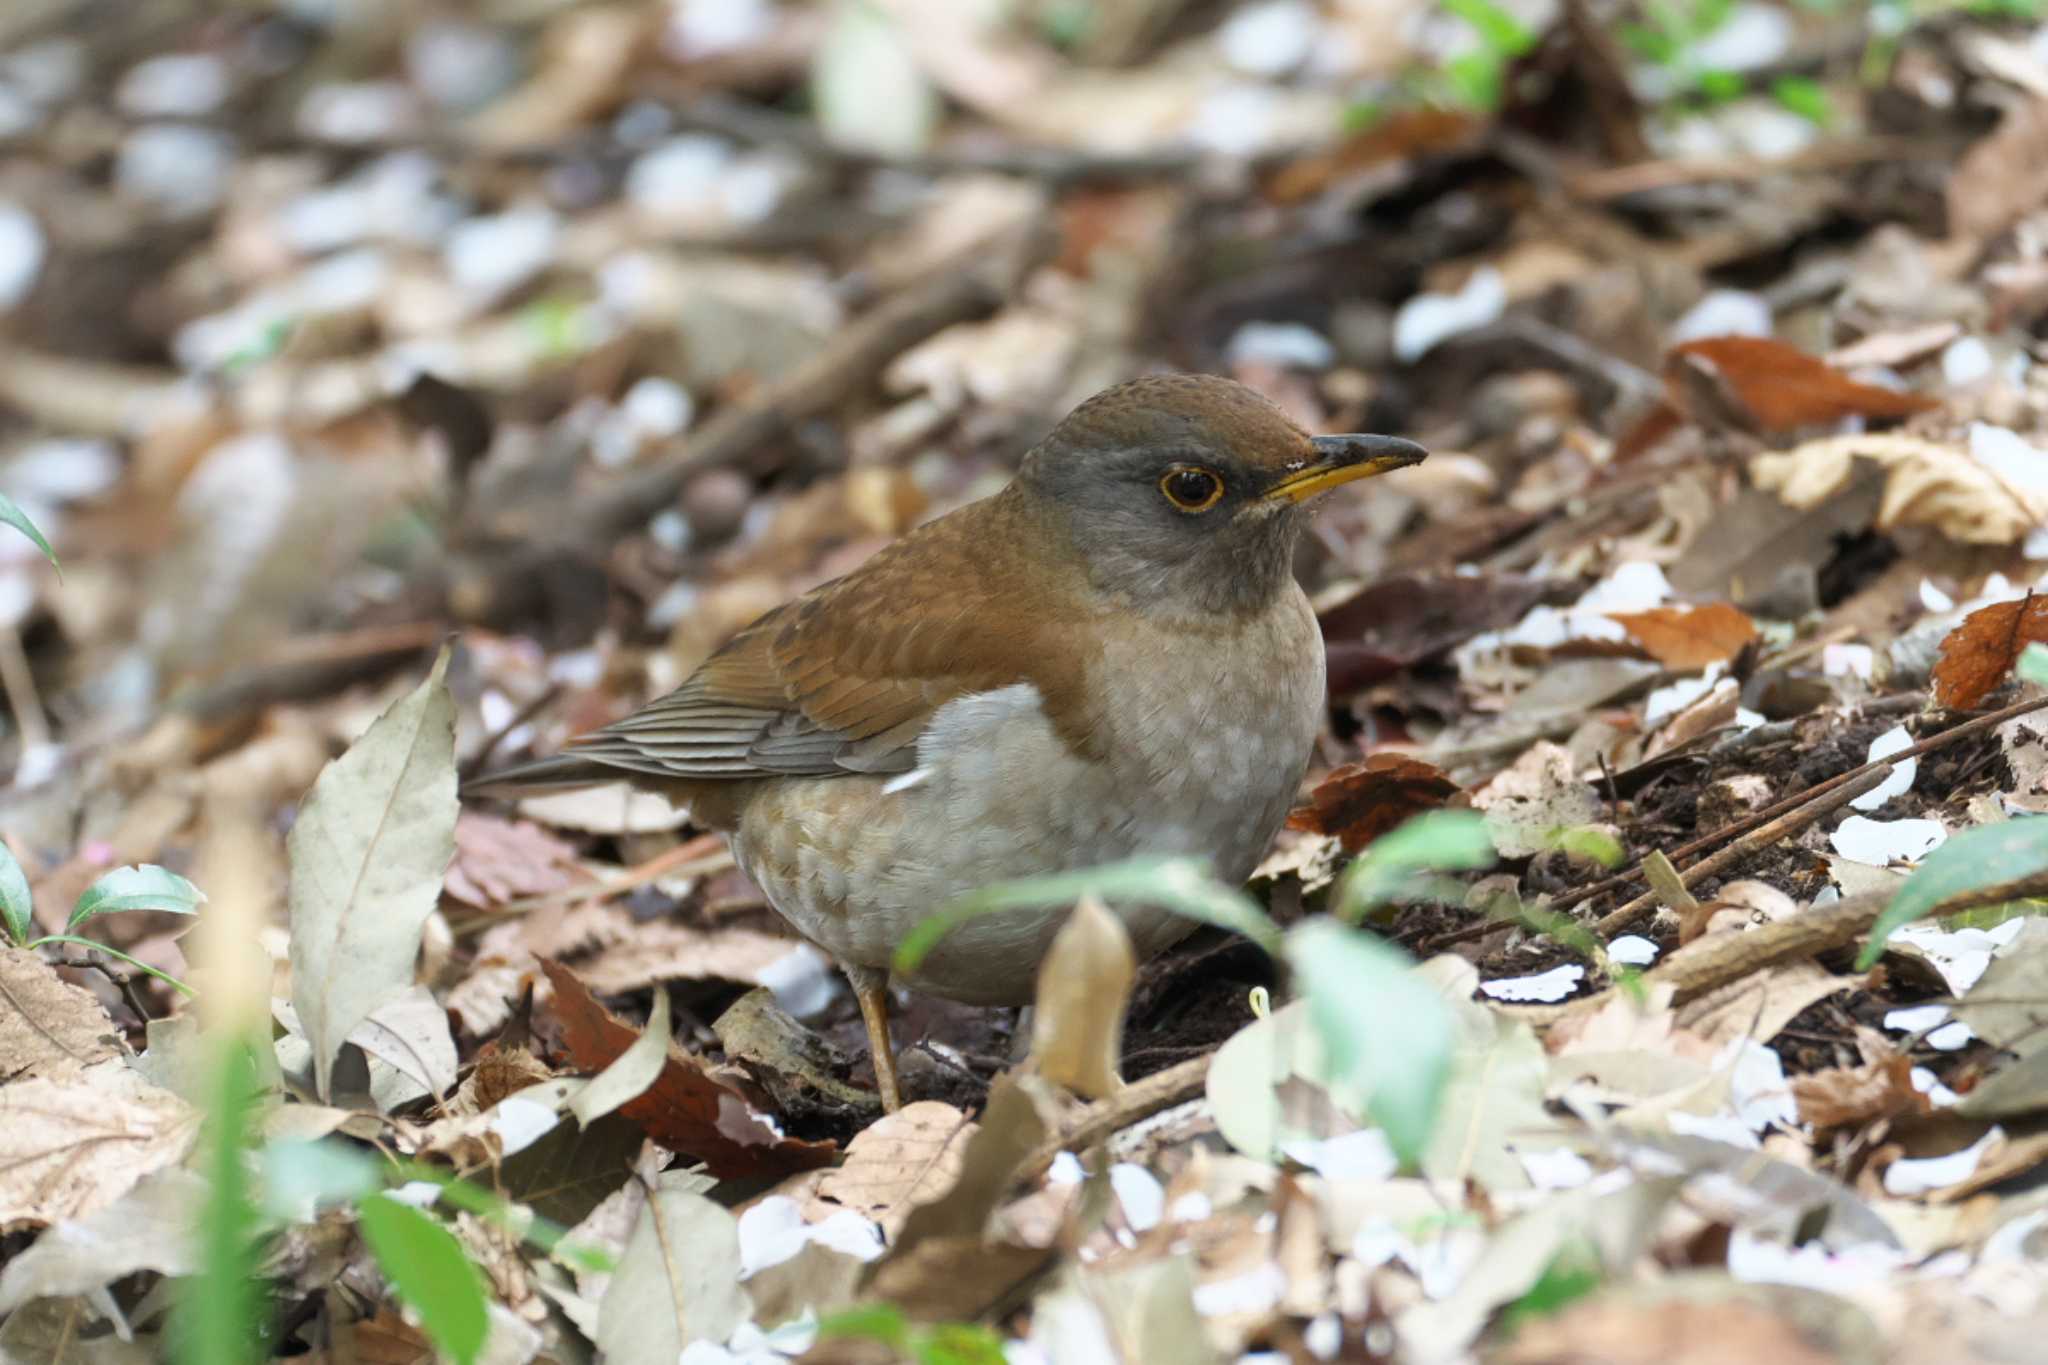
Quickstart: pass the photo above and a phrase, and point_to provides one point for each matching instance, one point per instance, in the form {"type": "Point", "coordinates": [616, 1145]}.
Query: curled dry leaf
{"type": "Point", "coordinates": [1980, 653]}
{"type": "Point", "coordinates": [685, 1110]}
{"type": "Point", "coordinates": [1758, 384]}
{"type": "Point", "coordinates": [1689, 637]}
{"type": "Point", "coordinates": [1077, 1030]}
{"type": "Point", "coordinates": [1359, 802]}
{"type": "Point", "coordinates": [1927, 483]}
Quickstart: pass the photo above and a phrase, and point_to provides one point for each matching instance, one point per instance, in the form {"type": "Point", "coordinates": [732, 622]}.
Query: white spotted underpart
{"type": "Point", "coordinates": [1205, 744]}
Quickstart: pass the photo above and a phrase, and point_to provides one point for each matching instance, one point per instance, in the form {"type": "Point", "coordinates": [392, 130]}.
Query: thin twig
{"type": "Point", "coordinates": [1791, 822]}
{"type": "Point", "coordinates": [1105, 1117]}
{"type": "Point", "coordinates": [1978, 725]}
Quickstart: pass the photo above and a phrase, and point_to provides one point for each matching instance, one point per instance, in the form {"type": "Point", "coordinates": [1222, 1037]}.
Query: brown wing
{"type": "Point", "coordinates": [845, 678]}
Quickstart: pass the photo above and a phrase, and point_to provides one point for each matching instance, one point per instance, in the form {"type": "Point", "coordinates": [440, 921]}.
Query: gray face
{"type": "Point", "coordinates": [1176, 528]}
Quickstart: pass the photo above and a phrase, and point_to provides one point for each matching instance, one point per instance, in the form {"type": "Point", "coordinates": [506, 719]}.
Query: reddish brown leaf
{"type": "Point", "coordinates": [1648, 430]}
{"type": "Point", "coordinates": [503, 860]}
{"type": "Point", "coordinates": [1417, 132]}
{"type": "Point", "coordinates": [1758, 384]}
{"type": "Point", "coordinates": [1979, 654]}
{"type": "Point", "coordinates": [686, 1110]}
{"type": "Point", "coordinates": [1857, 1094]}
{"type": "Point", "coordinates": [1689, 637]}
{"type": "Point", "coordinates": [1361, 801]}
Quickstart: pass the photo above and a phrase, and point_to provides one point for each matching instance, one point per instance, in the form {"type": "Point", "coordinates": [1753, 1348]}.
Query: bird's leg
{"type": "Point", "coordinates": [871, 989]}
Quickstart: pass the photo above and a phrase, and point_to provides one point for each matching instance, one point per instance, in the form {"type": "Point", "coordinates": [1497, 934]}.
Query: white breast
{"type": "Point", "coordinates": [1206, 753]}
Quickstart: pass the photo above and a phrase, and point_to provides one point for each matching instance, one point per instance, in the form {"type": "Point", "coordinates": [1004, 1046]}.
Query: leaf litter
{"type": "Point", "coordinates": [579, 335]}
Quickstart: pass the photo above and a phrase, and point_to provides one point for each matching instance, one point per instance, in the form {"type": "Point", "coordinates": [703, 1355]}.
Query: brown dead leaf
{"type": "Point", "coordinates": [1689, 637]}
{"type": "Point", "coordinates": [1845, 1095]}
{"type": "Point", "coordinates": [1077, 1029]}
{"type": "Point", "coordinates": [76, 1142]}
{"type": "Point", "coordinates": [1758, 384]}
{"type": "Point", "coordinates": [666, 951]}
{"type": "Point", "coordinates": [1761, 1004]}
{"type": "Point", "coordinates": [1611, 1330]}
{"type": "Point", "coordinates": [1927, 483]}
{"type": "Point", "coordinates": [907, 1158]}
{"type": "Point", "coordinates": [2001, 177]}
{"type": "Point", "coordinates": [685, 1110]}
{"type": "Point", "coordinates": [1413, 133]}
{"type": "Point", "coordinates": [46, 1023]}
{"type": "Point", "coordinates": [497, 861]}
{"type": "Point", "coordinates": [1359, 802]}
{"type": "Point", "coordinates": [1980, 653]}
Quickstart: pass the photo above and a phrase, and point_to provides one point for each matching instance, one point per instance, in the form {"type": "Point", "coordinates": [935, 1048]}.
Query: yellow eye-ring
{"type": "Point", "coordinates": [1191, 488]}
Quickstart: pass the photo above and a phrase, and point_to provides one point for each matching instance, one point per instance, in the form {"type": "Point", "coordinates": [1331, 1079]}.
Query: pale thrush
{"type": "Point", "coordinates": [1110, 657]}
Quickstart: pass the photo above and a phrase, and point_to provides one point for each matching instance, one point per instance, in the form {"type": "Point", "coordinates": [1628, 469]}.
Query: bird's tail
{"type": "Point", "coordinates": [562, 772]}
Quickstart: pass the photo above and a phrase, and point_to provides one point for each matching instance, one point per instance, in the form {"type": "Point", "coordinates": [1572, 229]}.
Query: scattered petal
{"type": "Point", "coordinates": [1544, 987]}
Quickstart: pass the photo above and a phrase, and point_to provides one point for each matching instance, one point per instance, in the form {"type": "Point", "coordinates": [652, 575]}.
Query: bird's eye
{"type": "Point", "coordinates": [1190, 489]}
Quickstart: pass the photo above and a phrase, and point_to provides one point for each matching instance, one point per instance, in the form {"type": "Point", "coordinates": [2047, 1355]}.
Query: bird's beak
{"type": "Point", "coordinates": [1342, 459]}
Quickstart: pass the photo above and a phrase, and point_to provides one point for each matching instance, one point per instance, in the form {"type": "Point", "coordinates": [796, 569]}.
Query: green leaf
{"type": "Point", "coordinates": [15, 904]}
{"type": "Point", "coordinates": [1503, 34]}
{"type": "Point", "coordinates": [2033, 665]}
{"type": "Point", "coordinates": [147, 887]}
{"type": "Point", "coordinates": [945, 1343]}
{"type": "Point", "coordinates": [1571, 1275]}
{"type": "Point", "coordinates": [1474, 80]}
{"type": "Point", "coordinates": [1361, 115]}
{"type": "Point", "coordinates": [958, 1343]}
{"type": "Point", "coordinates": [1805, 97]}
{"type": "Point", "coordinates": [1182, 885]}
{"type": "Point", "coordinates": [428, 1269]}
{"type": "Point", "coordinates": [1447, 840]}
{"type": "Point", "coordinates": [303, 1176]}
{"type": "Point", "coordinates": [882, 1322]}
{"type": "Point", "coordinates": [11, 513]}
{"type": "Point", "coordinates": [1720, 86]}
{"type": "Point", "coordinates": [1388, 1035]}
{"type": "Point", "coordinates": [1978, 857]}
{"type": "Point", "coordinates": [220, 1309]}
{"type": "Point", "coordinates": [1593, 844]}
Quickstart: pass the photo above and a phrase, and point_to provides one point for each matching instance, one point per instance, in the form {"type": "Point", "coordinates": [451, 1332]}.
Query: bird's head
{"type": "Point", "coordinates": [1188, 490]}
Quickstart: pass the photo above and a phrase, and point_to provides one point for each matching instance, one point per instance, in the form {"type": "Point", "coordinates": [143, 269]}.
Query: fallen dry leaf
{"type": "Point", "coordinates": [685, 1110]}
{"type": "Point", "coordinates": [1689, 637]}
{"type": "Point", "coordinates": [497, 861]}
{"type": "Point", "coordinates": [666, 951]}
{"type": "Point", "coordinates": [1359, 802]}
{"type": "Point", "coordinates": [1611, 1330]}
{"type": "Point", "coordinates": [1856, 1094]}
{"type": "Point", "coordinates": [1927, 483]}
{"type": "Point", "coordinates": [1758, 384]}
{"type": "Point", "coordinates": [907, 1158]}
{"type": "Point", "coordinates": [1077, 1029]}
{"type": "Point", "coordinates": [1980, 653]}
{"type": "Point", "coordinates": [46, 1023]}
{"type": "Point", "coordinates": [71, 1144]}
{"type": "Point", "coordinates": [2002, 176]}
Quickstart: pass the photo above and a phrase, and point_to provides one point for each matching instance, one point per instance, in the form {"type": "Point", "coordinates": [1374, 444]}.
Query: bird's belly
{"type": "Point", "coordinates": [856, 862]}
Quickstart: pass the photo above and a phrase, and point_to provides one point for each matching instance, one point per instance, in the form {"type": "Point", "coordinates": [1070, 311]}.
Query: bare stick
{"type": "Point", "coordinates": [1791, 822]}
{"type": "Point", "coordinates": [1138, 1100]}
{"type": "Point", "coordinates": [1771, 812]}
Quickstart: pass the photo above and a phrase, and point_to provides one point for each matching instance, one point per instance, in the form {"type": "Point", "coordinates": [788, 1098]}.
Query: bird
{"type": "Point", "coordinates": [1110, 657]}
